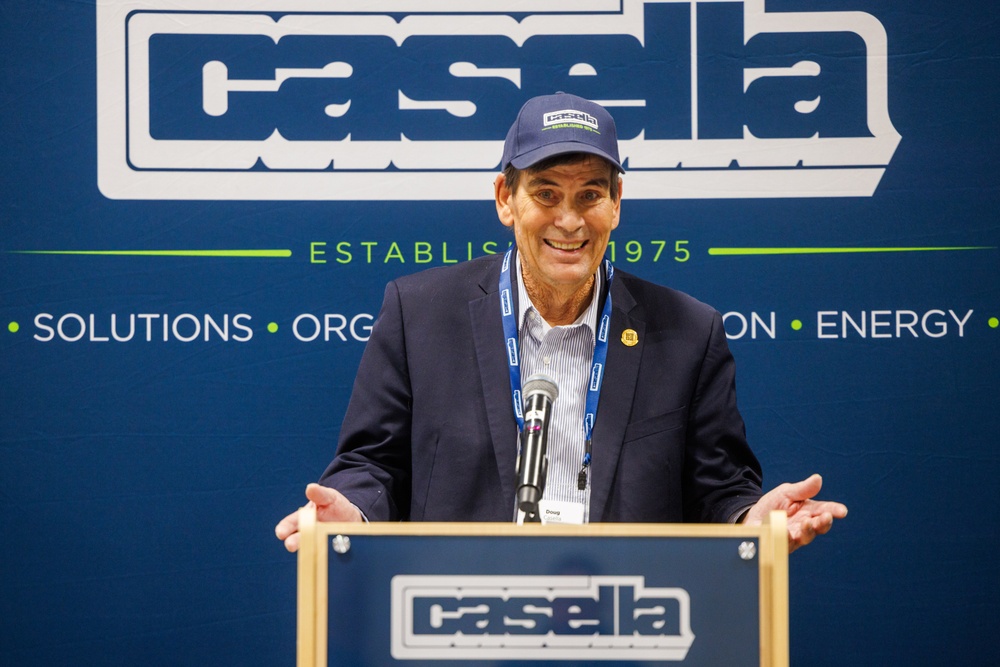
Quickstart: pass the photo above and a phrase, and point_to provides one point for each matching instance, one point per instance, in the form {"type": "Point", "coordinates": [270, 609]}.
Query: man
{"type": "Point", "coordinates": [645, 427]}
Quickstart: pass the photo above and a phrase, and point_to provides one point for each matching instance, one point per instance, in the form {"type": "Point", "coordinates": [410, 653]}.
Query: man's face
{"type": "Point", "coordinates": [562, 219]}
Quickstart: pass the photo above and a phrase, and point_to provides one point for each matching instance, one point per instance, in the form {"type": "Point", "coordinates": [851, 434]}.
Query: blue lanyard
{"type": "Point", "coordinates": [510, 333]}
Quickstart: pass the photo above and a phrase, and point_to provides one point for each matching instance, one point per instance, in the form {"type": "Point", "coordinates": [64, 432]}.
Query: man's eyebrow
{"type": "Point", "coordinates": [601, 182]}
{"type": "Point", "coordinates": [536, 181]}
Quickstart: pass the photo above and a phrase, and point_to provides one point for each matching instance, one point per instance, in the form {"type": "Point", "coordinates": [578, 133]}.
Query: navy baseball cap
{"type": "Point", "coordinates": [552, 125]}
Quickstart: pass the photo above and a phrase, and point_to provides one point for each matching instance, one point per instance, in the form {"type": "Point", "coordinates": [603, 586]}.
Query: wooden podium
{"type": "Point", "coordinates": [489, 594]}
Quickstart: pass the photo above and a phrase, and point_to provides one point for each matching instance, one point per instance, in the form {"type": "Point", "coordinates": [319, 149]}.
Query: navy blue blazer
{"type": "Point", "coordinates": [430, 434]}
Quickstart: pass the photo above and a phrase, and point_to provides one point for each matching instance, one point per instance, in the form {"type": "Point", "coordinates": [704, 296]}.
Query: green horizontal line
{"type": "Point", "coordinates": [832, 251]}
{"type": "Point", "coordinates": [163, 253]}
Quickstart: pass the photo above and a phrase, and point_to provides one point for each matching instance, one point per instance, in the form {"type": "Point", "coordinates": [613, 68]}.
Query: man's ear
{"type": "Point", "coordinates": [503, 197]}
{"type": "Point", "coordinates": [618, 206]}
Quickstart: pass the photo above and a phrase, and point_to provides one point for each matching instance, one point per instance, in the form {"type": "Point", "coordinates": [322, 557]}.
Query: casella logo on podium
{"type": "Point", "coordinates": [381, 99]}
{"type": "Point", "coordinates": [441, 617]}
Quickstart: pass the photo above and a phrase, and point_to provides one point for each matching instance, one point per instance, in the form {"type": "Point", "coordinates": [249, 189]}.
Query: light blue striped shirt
{"type": "Point", "coordinates": [564, 353]}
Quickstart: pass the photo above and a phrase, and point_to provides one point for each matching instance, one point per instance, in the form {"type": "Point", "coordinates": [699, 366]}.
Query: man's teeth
{"type": "Point", "coordinates": [565, 246]}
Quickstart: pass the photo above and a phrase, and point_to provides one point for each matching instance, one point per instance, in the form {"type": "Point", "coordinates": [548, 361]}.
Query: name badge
{"type": "Point", "coordinates": [555, 511]}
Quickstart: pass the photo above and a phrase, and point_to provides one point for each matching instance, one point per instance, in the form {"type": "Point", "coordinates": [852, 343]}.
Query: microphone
{"type": "Point", "coordinates": [539, 392]}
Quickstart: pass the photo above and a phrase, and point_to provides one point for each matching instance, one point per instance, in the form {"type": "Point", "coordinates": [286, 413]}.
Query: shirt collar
{"type": "Point", "coordinates": [588, 317]}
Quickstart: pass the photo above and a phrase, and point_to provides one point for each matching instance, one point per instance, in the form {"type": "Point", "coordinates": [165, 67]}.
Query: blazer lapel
{"type": "Point", "coordinates": [487, 331]}
{"type": "Point", "coordinates": [617, 392]}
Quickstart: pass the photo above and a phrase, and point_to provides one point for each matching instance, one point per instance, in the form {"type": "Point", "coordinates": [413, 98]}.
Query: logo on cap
{"type": "Point", "coordinates": [569, 118]}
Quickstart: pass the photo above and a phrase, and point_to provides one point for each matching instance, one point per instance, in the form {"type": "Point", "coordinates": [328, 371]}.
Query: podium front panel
{"type": "Point", "coordinates": [526, 600]}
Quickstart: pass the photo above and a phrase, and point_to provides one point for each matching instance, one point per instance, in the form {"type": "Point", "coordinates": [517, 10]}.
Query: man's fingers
{"type": "Point", "coordinates": [807, 518]}
{"type": "Point", "coordinates": [806, 489]}
{"type": "Point", "coordinates": [322, 495]}
{"type": "Point", "coordinates": [331, 505]}
{"type": "Point", "coordinates": [823, 523]}
{"type": "Point", "coordinates": [287, 530]}
{"type": "Point", "coordinates": [835, 510]}
{"type": "Point", "coordinates": [287, 526]}
{"type": "Point", "coordinates": [801, 535]}
{"type": "Point", "coordinates": [804, 531]}
{"type": "Point", "coordinates": [292, 542]}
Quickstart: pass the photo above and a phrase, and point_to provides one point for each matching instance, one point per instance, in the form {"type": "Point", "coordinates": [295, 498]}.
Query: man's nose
{"type": "Point", "coordinates": [568, 217]}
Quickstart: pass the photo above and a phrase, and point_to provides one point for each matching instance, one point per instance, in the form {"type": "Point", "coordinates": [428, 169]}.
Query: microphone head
{"type": "Point", "coordinates": [540, 383]}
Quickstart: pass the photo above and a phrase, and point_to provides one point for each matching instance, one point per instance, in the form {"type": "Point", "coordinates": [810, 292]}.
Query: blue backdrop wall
{"type": "Point", "coordinates": [202, 201]}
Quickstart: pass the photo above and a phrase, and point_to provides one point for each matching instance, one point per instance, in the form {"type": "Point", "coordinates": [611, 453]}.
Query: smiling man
{"type": "Point", "coordinates": [562, 216]}
{"type": "Point", "coordinates": [645, 427]}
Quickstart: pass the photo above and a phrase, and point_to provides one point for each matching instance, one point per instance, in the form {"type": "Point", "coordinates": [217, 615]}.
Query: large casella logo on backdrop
{"type": "Point", "coordinates": [469, 617]}
{"type": "Point", "coordinates": [392, 99]}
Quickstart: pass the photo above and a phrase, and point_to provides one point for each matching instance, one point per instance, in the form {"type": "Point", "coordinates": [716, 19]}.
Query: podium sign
{"type": "Point", "coordinates": [488, 594]}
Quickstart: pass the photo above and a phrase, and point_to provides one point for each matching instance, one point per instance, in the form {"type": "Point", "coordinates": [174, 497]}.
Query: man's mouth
{"type": "Point", "coordinates": [558, 245]}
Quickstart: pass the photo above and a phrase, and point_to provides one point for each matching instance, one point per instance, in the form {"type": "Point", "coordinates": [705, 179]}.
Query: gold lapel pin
{"type": "Point", "coordinates": [630, 338]}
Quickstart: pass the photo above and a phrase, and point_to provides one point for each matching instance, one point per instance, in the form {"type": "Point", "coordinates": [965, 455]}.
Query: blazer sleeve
{"type": "Point", "coordinates": [722, 475]}
{"type": "Point", "coordinates": [372, 466]}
